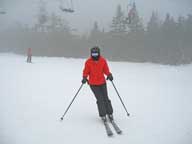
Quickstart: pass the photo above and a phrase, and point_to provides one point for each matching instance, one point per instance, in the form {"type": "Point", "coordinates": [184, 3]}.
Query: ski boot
{"type": "Point", "coordinates": [104, 119]}
{"type": "Point", "coordinates": [110, 117]}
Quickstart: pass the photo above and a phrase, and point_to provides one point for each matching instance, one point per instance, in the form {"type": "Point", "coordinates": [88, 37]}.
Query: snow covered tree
{"type": "Point", "coordinates": [134, 21]}
{"type": "Point", "coordinates": [57, 24]}
{"type": "Point", "coordinates": [50, 22]}
{"type": "Point", "coordinates": [42, 17]}
{"type": "Point", "coordinates": [118, 22]}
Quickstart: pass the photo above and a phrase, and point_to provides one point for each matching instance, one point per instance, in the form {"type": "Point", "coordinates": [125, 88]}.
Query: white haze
{"type": "Point", "coordinates": [88, 11]}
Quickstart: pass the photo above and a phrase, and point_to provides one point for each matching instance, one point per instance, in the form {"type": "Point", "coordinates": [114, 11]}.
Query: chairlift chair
{"type": "Point", "coordinates": [68, 9]}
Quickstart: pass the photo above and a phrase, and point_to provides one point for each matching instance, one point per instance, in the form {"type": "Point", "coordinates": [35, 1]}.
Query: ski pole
{"type": "Point", "coordinates": [71, 102]}
{"type": "Point", "coordinates": [120, 98]}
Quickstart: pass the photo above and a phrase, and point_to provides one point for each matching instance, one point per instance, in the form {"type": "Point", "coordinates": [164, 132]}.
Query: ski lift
{"type": "Point", "coordinates": [67, 6]}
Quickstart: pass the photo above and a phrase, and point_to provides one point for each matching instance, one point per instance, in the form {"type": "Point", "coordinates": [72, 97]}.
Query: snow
{"type": "Point", "coordinates": [33, 97]}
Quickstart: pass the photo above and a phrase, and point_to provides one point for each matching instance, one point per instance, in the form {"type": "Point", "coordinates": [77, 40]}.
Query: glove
{"type": "Point", "coordinates": [84, 80]}
{"type": "Point", "coordinates": [110, 77]}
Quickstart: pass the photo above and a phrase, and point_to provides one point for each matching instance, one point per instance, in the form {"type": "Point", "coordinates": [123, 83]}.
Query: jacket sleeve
{"type": "Point", "coordinates": [86, 70]}
{"type": "Point", "coordinates": [106, 68]}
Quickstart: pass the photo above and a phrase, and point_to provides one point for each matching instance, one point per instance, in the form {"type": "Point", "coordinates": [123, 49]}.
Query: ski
{"type": "Point", "coordinates": [115, 126]}
{"type": "Point", "coordinates": [108, 129]}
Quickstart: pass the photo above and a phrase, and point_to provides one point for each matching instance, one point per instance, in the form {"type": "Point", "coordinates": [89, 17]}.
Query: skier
{"type": "Point", "coordinates": [95, 68]}
{"type": "Point", "coordinates": [29, 55]}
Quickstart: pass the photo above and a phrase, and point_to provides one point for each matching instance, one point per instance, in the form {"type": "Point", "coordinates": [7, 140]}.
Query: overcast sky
{"type": "Point", "coordinates": [88, 11]}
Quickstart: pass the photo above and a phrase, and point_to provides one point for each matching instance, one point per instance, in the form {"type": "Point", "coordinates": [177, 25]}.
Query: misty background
{"type": "Point", "coordinates": [158, 31]}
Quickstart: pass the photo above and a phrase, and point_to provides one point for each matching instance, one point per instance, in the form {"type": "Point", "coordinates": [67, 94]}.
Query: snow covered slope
{"type": "Point", "coordinates": [34, 96]}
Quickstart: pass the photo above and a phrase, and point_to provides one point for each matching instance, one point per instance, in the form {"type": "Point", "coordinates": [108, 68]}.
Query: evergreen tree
{"type": "Point", "coordinates": [152, 37]}
{"type": "Point", "coordinates": [169, 24]}
{"type": "Point", "coordinates": [42, 17]}
{"type": "Point", "coordinates": [57, 24]}
{"type": "Point", "coordinates": [154, 23]}
{"type": "Point", "coordinates": [95, 30]}
{"type": "Point", "coordinates": [187, 38]}
{"type": "Point", "coordinates": [50, 23]}
{"type": "Point", "coordinates": [118, 21]}
{"type": "Point", "coordinates": [134, 21]}
{"type": "Point", "coordinates": [96, 35]}
{"type": "Point", "coordinates": [188, 26]}
{"type": "Point", "coordinates": [169, 40]}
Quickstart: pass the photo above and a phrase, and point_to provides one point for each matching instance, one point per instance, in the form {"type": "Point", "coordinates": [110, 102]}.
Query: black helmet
{"type": "Point", "coordinates": [95, 53]}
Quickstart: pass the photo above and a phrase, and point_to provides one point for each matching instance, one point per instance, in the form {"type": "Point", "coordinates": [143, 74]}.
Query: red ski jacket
{"type": "Point", "coordinates": [29, 52]}
{"type": "Point", "coordinates": [95, 71]}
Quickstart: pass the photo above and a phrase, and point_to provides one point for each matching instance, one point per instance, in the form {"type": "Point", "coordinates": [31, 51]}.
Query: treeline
{"type": "Point", "coordinates": [167, 41]}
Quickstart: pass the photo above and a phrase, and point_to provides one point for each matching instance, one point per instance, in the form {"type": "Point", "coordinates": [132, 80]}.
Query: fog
{"type": "Point", "coordinates": [88, 11]}
{"type": "Point", "coordinates": [158, 31]}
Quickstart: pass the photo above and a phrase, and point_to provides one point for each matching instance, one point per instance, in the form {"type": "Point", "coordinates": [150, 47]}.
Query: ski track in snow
{"type": "Point", "coordinates": [34, 96]}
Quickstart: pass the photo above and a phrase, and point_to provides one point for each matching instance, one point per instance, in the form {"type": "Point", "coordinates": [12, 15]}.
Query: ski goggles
{"type": "Point", "coordinates": [94, 54]}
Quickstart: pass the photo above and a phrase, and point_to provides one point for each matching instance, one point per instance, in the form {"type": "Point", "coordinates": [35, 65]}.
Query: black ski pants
{"type": "Point", "coordinates": [103, 102]}
{"type": "Point", "coordinates": [29, 59]}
